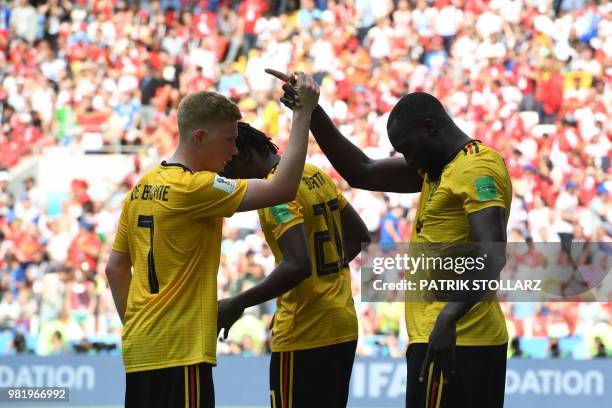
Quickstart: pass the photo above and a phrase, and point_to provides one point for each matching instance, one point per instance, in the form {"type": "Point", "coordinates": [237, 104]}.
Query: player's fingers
{"type": "Point", "coordinates": [301, 80]}
{"type": "Point", "coordinates": [425, 366]}
{"type": "Point", "coordinates": [453, 362]}
{"type": "Point", "coordinates": [289, 90]}
{"type": "Point", "coordinates": [280, 75]}
{"type": "Point", "coordinates": [308, 86]}
{"type": "Point", "coordinates": [291, 104]}
{"type": "Point", "coordinates": [312, 83]}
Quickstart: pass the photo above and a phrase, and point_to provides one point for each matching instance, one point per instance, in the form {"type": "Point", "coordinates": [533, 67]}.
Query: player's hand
{"type": "Point", "coordinates": [307, 91]}
{"type": "Point", "coordinates": [290, 97]}
{"type": "Point", "coordinates": [440, 351]}
{"type": "Point", "coordinates": [228, 312]}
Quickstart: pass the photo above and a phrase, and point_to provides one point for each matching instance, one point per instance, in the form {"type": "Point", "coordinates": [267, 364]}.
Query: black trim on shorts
{"type": "Point", "coordinates": [479, 380]}
{"type": "Point", "coordinates": [174, 387]}
{"type": "Point", "coordinates": [317, 377]}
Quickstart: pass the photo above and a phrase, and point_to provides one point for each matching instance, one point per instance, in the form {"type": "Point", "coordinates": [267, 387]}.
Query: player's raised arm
{"type": "Point", "coordinates": [283, 187]}
{"type": "Point", "coordinates": [393, 174]}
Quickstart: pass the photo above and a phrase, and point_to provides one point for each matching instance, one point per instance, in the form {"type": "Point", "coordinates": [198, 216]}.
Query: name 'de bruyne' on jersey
{"type": "Point", "coordinates": [155, 192]}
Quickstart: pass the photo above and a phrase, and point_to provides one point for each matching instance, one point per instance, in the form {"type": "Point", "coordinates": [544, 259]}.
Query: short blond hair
{"type": "Point", "coordinates": [204, 110]}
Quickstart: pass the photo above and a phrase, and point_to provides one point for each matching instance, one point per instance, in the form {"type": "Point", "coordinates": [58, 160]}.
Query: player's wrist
{"type": "Point", "coordinates": [450, 314]}
{"type": "Point", "coordinates": [302, 114]}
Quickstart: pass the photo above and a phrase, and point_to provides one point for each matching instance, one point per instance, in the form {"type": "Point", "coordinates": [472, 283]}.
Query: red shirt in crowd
{"type": "Point", "coordinates": [85, 248]}
{"type": "Point", "coordinates": [27, 246]}
{"type": "Point", "coordinates": [551, 93]}
{"type": "Point", "coordinates": [251, 11]}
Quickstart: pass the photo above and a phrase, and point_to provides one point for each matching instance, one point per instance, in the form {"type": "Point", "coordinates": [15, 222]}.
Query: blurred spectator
{"type": "Point", "coordinates": [515, 348]}
{"type": "Point", "coordinates": [19, 344]}
{"type": "Point", "coordinates": [58, 346]}
{"type": "Point", "coordinates": [250, 12]}
{"type": "Point", "coordinates": [601, 349]}
{"type": "Point", "coordinates": [85, 248]}
{"type": "Point", "coordinates": [553, 349]}
{"type": "Point", "coordinates": [24, 21]}
{"type": "Point", "coordinates": [390, 228]}
{"type": "Point", "coordinates": [150, 83]}
{"type": "Point", "coordinates": [9, 309]}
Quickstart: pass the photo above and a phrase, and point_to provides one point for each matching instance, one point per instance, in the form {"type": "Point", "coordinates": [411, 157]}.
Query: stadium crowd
{"type": "Point", "coordinates": [530, 78]}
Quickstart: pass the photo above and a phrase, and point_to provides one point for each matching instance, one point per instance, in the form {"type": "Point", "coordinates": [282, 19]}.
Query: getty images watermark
{"type": "Point", "coordinates": [524, 271]}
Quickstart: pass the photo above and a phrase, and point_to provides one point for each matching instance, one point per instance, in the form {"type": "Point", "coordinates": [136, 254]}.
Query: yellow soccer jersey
{"type": "Point", "coordinates": [320, 310]}
{"type": "Point", "coordinates": [475, 179]}
{"type": "Point", "coordinates": [171, 226]}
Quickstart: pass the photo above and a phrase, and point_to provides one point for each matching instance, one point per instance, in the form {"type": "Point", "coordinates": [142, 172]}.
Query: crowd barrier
{"type": "Point", "coordinates": [243, 381]}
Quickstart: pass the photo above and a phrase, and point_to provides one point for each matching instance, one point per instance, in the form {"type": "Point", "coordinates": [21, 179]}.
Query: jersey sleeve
{"type": "Point", "coordinates": [210, 195]}
{"type": "Point", "coordinates": [121, 238]}
{"type": "Point", "coordinates": [481, 183]}
{"type": "Point", "coordinates": [279, 218]}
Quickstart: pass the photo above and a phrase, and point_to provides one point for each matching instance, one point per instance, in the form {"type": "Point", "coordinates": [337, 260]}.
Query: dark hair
{"type": "Point", "coordinates": [417, 106]}
{"type": "Point", "coordinates": [250, 139]}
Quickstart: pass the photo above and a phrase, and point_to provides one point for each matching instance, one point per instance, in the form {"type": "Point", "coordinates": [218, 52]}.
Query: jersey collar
{"type": "Point", "coordinates": [182, 166]}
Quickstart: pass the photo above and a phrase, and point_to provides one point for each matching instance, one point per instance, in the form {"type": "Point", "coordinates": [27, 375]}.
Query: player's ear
{"type": "Point", "coordinates": [198, 137]}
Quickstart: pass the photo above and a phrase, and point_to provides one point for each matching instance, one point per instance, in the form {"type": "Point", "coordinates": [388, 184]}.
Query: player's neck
{"type": "Point", "coordinates": [453, 144]}
{"type": "Point", "coordinates": [180, 156]}
{"type": "Point", "coordinates": [455, 140]}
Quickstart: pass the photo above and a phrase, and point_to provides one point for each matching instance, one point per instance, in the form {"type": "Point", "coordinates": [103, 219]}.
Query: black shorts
{"type": "Point", "coordinates": [479, 380]}
{"type": "Point", "coordinates": [180, 387]}
{"type": "Point", "coordinates": [311, 378]}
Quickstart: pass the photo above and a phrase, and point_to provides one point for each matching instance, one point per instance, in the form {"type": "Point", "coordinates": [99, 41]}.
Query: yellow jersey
{"type": "Point", "coordinates": [171, 226]}
{"type": "Point", "coordinates": [475, 179]}
{"type": "Point", "coordinates": [320, 310]}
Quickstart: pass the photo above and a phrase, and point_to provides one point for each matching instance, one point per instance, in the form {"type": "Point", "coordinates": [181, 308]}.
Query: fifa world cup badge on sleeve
{"type": "Point", "coordinates": [223, 184]}
{"type": "Point", "coordinates": [485, 188]}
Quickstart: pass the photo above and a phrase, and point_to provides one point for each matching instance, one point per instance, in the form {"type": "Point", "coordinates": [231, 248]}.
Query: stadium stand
{"type": "Point", "coordinates": [104, 76]}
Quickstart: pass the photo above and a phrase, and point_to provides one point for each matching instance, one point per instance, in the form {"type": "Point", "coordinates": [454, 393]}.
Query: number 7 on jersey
{"type": "Point", "coordinates": [146, 221]}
